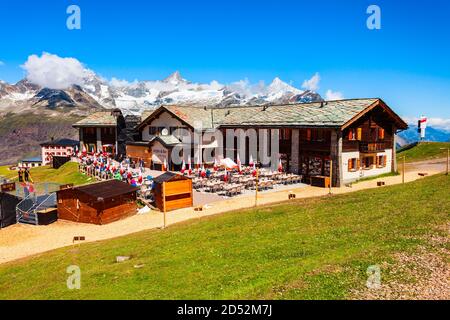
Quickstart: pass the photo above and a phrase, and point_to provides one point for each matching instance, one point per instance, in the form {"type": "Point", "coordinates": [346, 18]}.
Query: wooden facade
{"type": "Point", "coordinates": [173, 191]}
{"type": "Point", "coordinates": [98, 203]}
{"type": "Point", "coordinates": [140, 151]}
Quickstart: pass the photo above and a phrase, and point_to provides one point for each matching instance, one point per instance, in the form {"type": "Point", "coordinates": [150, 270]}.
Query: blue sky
{"type": "Point", "coordinates": [407, 62]}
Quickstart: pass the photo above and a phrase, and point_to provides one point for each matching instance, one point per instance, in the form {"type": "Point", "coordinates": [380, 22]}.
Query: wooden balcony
{"type": "Point", "coordinates": [368, 147]}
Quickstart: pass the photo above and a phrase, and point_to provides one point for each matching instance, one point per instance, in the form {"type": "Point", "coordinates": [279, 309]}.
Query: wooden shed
{"type": "Point", "coordinates": [98, 203]}
{"type": "Point", "coordinates": [8, 205]}
{"type": "Point", "coordinates": [173, 191]}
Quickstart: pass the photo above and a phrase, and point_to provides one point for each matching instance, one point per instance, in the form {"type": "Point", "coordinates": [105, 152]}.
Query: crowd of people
{"type": "Point", "coordinates": [102, 166]}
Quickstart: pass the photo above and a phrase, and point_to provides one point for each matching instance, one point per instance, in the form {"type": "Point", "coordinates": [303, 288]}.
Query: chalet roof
{"type": "Point", "coordinates": [315, 114]}
{"type": "Point", "coordinates": [61, 143]}
{"type": "Point", "coordinates": [98, 119]}
{"type": "Point", "coordinates": [106, 189]}
{"type": "Point", "coordinates": [168, 176]}
{"type": "Point", "coordinates": [168, 140]}
{"type": "Point", "coordinates": [320, 114]}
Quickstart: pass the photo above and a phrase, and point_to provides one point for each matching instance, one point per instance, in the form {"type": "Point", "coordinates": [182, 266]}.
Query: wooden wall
{"type": "Point", "coordinates": [76, 206]}
{"type": "Point", "coordinates": [174, 195]}
{"type": "Point", "coordinates": [143, 152]}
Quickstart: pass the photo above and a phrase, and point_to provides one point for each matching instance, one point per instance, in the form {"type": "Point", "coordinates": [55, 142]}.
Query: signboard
{"type": "Point", "coordinates": [8, 187]}
{"type": "Point", "coordinates": [159, 153]}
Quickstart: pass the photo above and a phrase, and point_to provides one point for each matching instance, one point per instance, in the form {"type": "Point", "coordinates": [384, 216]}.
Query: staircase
{"type": "Point", "coordinates": [27, 209]}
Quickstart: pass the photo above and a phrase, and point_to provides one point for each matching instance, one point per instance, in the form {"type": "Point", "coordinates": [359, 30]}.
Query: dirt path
{"type": "Point", "coordinates": [20, 241]}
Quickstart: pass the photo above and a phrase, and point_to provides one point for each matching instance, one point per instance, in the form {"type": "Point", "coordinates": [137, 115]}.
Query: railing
{"type": "Point", "coordinates": [27, 209]}
{"type": "Point", "coordinates": [24, 210]}
{"type": "Point", "coordinates": [373, 146]}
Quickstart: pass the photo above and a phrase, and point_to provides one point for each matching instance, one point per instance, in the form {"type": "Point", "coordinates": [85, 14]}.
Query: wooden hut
{"type": "Point", "coordinates": [173, 191]}
{"type": "Point", "coordinates": [98, 203]}
{"type": "Point", "coordinates": [8, 205]}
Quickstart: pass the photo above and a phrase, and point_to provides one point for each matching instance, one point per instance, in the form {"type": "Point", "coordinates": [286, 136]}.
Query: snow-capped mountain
{"type": "Point", "coordinates": [137, 96]}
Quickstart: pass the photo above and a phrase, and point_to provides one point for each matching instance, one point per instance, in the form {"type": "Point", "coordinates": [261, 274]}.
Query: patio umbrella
{"type": "Point", "coordinates": [183, 167]}
{"type": "Point", "coordinates": [225, 177]}
{"type": "Point", "coordinates": [189, 166]}
{"type": "Point", "coordinates": [203, 172]}
{"type": "Point", "coordinates": [280, 166]}
{"type": "Point", "coordinates": [251, 163]}
{"type": "Point", "coordinates": [215, 164]}
{"type": "Point", "coordinates": [165, 165]}
{"type": "Point", "coordinates": [228, 163]}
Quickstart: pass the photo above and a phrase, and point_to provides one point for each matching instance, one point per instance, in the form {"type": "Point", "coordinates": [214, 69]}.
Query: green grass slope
{"type": "Point", "coordinates": [310, 249]}
{"type": "Point", "coordinates": [68, 173]}
{"type": "Point", "coordinates": [424, 151]}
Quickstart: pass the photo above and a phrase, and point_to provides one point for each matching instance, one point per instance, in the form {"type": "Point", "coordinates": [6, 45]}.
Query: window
{"type": "Point", "coordinates": [381, 161]}
{"type": "Point", "coordinates": [353, 164]}
{"type": "Point", "coordinates": [352, 134]}
{"type": "Point", "coordinates": [155, 131]}
{"type": "Point", "coordinates": [89, 131]}
{"type": "Point", "coordinates": [368, 162]}
{"type": "Point", "coordinates": [285, 134]}
{"type": "Point", "coordinates": [355, 134]}
{"type": "Point", "coordinates": [359, 134]}
{"type": "Point", "coordinates": [380, 134]}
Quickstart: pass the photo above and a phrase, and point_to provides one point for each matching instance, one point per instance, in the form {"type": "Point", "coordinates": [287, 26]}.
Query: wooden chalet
{"type": "Point", "coordinates": [98, 203]}
{"type": "Point", "coordinates": [356, 135]}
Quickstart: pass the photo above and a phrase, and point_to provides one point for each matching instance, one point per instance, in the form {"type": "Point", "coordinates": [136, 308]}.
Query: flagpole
{"type": "Point", "coordinates": [256, 187]}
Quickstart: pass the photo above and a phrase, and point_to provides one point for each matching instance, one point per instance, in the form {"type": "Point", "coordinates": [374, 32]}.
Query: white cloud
{"type": "Point", "coordinates": [54, 72]}
{"type": "Point", "coordinates": [246, 89]}
{"type": "Point", "coordinates": [121, 83]}
{"type": "Point", "coordinates": [440, 123]}
{"type": "Point", "coordinates": [313, 83]}
{"type": "Point", "coordinates": [1, 63]}
{"type": "Point", "coordinates": [333, 95]}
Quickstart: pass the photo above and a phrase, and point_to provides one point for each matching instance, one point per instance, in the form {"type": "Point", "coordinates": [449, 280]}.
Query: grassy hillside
{"type": "Point", "coordinates": [311, 249]}
{"type": "Point", "coordinates": [68, 173]}
{"type": "Point", "coordinates": [5, 172]}
{"type": "Point", "coordinates": [424, 151]}
{"type": "Point", "coordinates": [22, 133]}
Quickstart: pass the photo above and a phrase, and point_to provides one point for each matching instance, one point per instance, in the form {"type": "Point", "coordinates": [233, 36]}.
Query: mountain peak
{"type": "Point", "coordinates": [279, 85]}
{"type": "Point", "coordinates": [175, 78]}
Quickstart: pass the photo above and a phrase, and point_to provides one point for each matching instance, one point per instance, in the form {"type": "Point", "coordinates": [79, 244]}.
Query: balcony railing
{"type": "Point", "coordinates": [373, 146]}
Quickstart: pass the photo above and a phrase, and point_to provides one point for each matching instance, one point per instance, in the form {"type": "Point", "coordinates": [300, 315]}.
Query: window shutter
{"type": "Point", "coordinates": [381, 133]}
{"type": "Point", "coordinates": [358, 164]}
{"type": "Point", "coordinates": [359, 134]}
{"type": "Point", "coordinates": [384, 161]}
{"type": "Point", "coordinates": [350, 162]}
{"type": "Point", "coordinates": [308, 134]}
